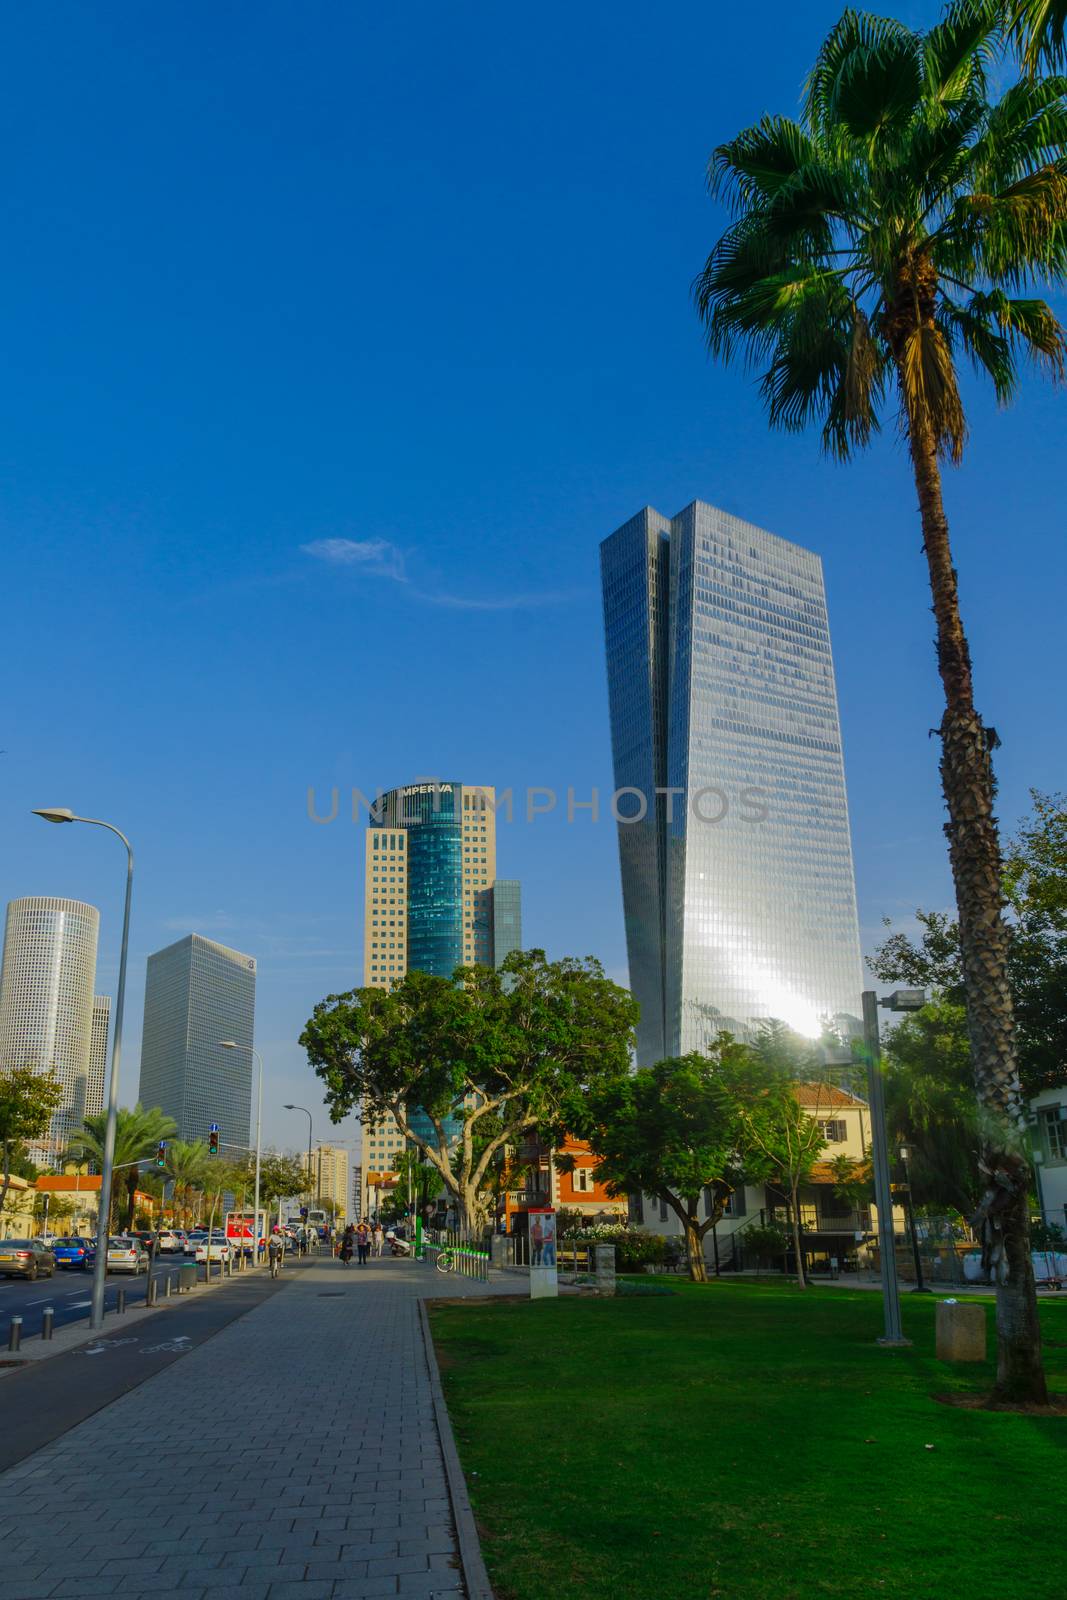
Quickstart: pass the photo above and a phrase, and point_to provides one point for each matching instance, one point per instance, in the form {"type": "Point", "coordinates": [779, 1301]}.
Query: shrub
{"type": "Point", "coordinates": [634, 1248]}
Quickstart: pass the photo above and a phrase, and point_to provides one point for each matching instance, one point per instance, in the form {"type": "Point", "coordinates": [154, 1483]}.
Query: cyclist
{"type": "Point", "coordinates": [275, 1251]}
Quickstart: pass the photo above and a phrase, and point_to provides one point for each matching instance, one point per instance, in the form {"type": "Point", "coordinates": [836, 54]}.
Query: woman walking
{"type": "Point", "coordinates": [346, 1245]}
{"type": "Point", "coordinates": [379, 1239]}
{"type": "Point", "coordinates": [363, 1243]}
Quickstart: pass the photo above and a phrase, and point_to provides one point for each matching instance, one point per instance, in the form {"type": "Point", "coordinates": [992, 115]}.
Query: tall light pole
{"type": "Point", "coordinates": [920, 1285]}
{"type": "Point", "coordinates": [96, 1313]}
{"type": "Point", "coordinates": [311, 1140]}
{"type": "Point", "coordinates": [900, 1000]}
{"type": "Point", "coordinates": [231, 1044]}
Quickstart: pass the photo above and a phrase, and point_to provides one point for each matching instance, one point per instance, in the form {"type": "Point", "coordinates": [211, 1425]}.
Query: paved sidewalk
{"type": "Point", "coordinates": [294, 1456]}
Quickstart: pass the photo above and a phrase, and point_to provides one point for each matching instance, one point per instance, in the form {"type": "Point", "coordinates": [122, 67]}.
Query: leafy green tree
{"type": "Point", "coordinates": [514, 1044]}
{"type": "Point", "coordinates": [675, 1131]}
{"type": "Point", "coordinates": [875, 242]}
{"type": "Point", "coordinates": [137, 1136]}
{"type": "Point", "coordinates": [281, 1176]}
{"type": "Point", "coordinates": [415, 1175]}
{"type": "Point", "coordinates": [28, 1101]}
{"type": "Point", "coordinates": [930, 1104]}
{"type": "Point", "coordinates": [1035, 883]}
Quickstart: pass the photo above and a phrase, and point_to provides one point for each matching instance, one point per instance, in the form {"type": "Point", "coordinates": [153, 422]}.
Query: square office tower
{"type": "Point", "coordinates": [198, 993]}
{"type": "Point", "coordinates": [734, 847]}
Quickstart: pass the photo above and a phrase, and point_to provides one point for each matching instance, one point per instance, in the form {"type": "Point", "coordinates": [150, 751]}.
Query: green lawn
{"type": "Point", "coordinates": [746, 1442]}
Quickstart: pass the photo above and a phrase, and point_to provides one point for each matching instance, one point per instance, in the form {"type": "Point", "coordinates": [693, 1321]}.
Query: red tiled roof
{"type": "Point", "coordinates": [824, 1096]}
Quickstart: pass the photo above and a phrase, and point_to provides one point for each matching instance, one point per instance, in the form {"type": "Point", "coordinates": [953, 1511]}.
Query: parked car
{"type": "Point", "coordinates": [221, 1249]}
{"type": "Point", "coordinates": [171, 1241]}
{"type": "Point", "coordinates": [74, 1251]}
{"type": "Point", "coordinates": [26, 1258]}
{"type": "Point", "coordinates": [126, 1253]}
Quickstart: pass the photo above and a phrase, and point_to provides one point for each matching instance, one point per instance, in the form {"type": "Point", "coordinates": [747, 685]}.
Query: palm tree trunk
{"type": "Point", "coordinates": [974, 852]}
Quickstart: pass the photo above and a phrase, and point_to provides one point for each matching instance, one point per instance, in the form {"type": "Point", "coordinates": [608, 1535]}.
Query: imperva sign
{"type": "Point", "coordinates": [426, 788]}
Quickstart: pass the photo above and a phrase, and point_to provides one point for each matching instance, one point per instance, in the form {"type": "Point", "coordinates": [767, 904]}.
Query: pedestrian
{"type": "Point", "coordinates": [347, 1239]}
{"type": "Point", "coordinates": [379, 1239]}
{"type": "Point", "coordinates": [363, 1243]}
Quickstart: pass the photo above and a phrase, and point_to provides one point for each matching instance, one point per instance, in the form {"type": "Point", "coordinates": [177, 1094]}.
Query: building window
{"type": "Point", "coordinates": [835, 1132]}
{"type": "Point", "coordinates": [663, 1211]}
{"type": "Point", "coordinates": [1054, 1119]}
{"type": "Point", "coordinates": [582, 1180]}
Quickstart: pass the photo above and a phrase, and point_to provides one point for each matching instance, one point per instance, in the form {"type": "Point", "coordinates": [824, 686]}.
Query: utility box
{"type": "Point", "coordinates": [961, 1331]}
{"type": "Point", "coordinates": [605, 1269]}
{"type": "Point", "coordinates": [186, 1277]}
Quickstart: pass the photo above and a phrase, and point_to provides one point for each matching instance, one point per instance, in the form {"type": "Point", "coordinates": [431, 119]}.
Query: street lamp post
{"type": "Point", "coordinates": [900, 1000]}
{"type": "Point", "coordinates": [311, 1140]}
{"type": "Point", "coordinates": [920, 1283]}
{"type": "Point", "coordinates": [96, 1314]}
{"type": "Point", "coordinates": [231, 1044]}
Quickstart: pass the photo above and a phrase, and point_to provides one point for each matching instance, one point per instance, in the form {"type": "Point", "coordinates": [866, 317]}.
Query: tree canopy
{"type": "Point", "coordinates": [443, 1056]}
{"type": "Point", "coordinates": [28, 1101]}
{"type": "Point", "coordinates": [137, 1136]}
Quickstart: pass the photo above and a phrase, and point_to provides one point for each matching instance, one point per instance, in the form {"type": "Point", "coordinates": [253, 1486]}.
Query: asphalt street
{"type": "Point", "coordinates": [46, 1399]}
{"type": "Point", "coordinates": [68, 1292]}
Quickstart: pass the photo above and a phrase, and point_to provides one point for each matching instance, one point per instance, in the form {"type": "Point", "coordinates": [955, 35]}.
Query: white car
{"type": "Point", "coordinates": [221, 1249]}
{"type": "Point", "coordinates": [126, 1255]}
{"type": "Point", "coordinates": [171, 1241]}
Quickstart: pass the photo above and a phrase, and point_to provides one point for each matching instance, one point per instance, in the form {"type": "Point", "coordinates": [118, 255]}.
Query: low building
{"type": "Point", "coordinates": [1048, 1120]}
{"type": "Point", "coordinates": [82, 1190]}
{"type": "Point", "coordinates": [17, 1219]}
{"type": "Point", "coordinates": [566, 1184]}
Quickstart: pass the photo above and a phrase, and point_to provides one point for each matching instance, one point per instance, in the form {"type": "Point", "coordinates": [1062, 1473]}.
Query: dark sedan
{"type": "Point", "coordinates": [26, 1258]}
{"type": "Point", "coordinates": [74, 1252]}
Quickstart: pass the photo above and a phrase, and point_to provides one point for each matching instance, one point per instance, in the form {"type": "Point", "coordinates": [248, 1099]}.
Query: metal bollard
{"type": "Point", "coordinates": [150, 1290]}
{"type": "Point", "coordinates": [48, 1316]}
{"type": "Point", "coordinates": [14, 1337]}
{"type": "Point", "coordinates": [168, 1286]}
{"type": "Point", "coordinates": [120, 1301]}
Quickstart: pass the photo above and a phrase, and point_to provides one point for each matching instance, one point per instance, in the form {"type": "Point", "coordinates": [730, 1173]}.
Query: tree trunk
{"type": "Point", "coordinates": [794, 1208]}
{"type": "Point", "coordinates": [694, 1244]}
{"type": "Point", "coordinates": [974, 853]}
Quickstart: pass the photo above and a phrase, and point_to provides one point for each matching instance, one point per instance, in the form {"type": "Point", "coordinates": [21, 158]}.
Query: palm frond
{"type": "Point", "coordinates": [1028, 325]}
{"type": "Point", "coordinates": [931, 393]}
{"type": "Point", "coordinates": [753, 167]}
{"type": "Point", "coordinates": [1021, 230]}
{"type": "Point", "coordinates": [1039, 32]}
{"type": "Point", "coordinates": [1025, 130]}
{"type": "Point", "coordinates": [856, 31]}
{"type": "Point", "coordinates": [989, 351]}
{"type": "Point", "coordinates": [877, 87]}
{"type": "Point", "coordinates": [957, 51]}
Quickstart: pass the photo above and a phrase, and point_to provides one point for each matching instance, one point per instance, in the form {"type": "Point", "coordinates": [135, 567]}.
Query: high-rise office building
{"type": "Point", "coordinates": [94, 1093]}
{"type": "Point", "coordinates": [197, 993]}
{"type": "Point", "coordinates": [46, 1005]}
{"type": "Point", "coordinates": [432, 901]}
{"type": "Point", "coordinates": [329, 1176]}
{"type": "Point", "coordinates": [736, 859]}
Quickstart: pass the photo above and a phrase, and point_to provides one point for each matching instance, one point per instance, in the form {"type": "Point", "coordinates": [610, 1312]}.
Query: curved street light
{"type": "Point", "coordinates": [311, 1140]}
{"type": "Point", "coordinates": [107, 1165]}
{"type": "Point", "coordinates": [232, 1044]}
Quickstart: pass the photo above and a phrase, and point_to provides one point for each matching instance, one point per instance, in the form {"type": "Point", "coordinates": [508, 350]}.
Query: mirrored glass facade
{"type": "Point", "coordinates": [738, 885]}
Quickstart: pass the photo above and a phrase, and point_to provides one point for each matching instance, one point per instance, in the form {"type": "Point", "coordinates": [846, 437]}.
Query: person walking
{"type": "Point", "coordinates": [347, 1239]}
{"type": "Point", "coordinates": [379, 1239]}
{"type": "Point", "coordinates": [363, 1243]}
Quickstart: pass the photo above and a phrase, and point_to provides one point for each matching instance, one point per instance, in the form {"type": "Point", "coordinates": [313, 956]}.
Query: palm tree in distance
{"type": "Point", "coordinates": [877, 240]}
{"type": "Point", "coordinates": [187, 1169]}
{"type": "Point", "coordinates": [137, 1138]}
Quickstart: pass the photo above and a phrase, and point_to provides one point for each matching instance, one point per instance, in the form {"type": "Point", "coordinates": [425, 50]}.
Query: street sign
{"type": "Point", "coordinates": [214, 1128]}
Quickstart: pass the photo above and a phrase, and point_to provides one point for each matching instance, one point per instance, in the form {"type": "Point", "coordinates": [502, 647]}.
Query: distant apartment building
{"type": "Point", "coordinates": [197, 993]}
{"type": "Point", "coordinates": [736, 858]}
{"type": "Point", "coordinates": [432, 902]}
{"type": "Point", "coordinates": [47, 1007]}
{"type": "Point", "coordinates": [329, 1176]}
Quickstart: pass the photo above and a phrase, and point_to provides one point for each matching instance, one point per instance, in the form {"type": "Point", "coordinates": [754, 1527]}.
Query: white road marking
{"type": "Point", "coordinates": [178, 1345]}
{"type": "Point", "coordinates": [108, 1344]}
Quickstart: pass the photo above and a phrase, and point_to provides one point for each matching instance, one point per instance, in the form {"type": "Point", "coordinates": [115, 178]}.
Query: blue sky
{"type": "Point", "coordinates": [416, 279]}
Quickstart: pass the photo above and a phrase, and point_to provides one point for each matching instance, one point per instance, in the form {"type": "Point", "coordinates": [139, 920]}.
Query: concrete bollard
{"type": "Point", "coordinates": [120, 1301]}
{"type": "Point", "coordinates": [961, 1331]}
{"type": "Point", "coordinates": [48, 1317]}
{"type": "Point", "coordinates": [14, 1335]}
{"type": "Point", "coordinates": [605, 1269]}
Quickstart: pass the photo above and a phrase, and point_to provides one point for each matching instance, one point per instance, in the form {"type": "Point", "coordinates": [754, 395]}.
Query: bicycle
{"type": "Point", "coordinates": [275, 1263]}
{"type": "Point", "coordinates": [446, 1259]}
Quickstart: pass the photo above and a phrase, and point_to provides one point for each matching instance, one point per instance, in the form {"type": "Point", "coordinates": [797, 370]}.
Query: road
{"type": "Point", "coordinates": [69, 1293]}
{"type": "Point", "coordinates": [48, 1398]}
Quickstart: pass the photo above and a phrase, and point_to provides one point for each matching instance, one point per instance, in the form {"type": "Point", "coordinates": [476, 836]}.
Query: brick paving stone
{"type": "Point", "coordinates": [331, 1485]}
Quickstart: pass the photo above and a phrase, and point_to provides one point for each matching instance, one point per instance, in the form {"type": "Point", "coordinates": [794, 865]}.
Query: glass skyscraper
{"type": "Point", "coordinates": [734, 846]}
{"type": "Point", "coordinates": [197, 993]}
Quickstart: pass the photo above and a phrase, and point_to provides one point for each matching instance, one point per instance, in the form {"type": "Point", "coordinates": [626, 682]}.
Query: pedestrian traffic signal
{"type": "Point", "coordinates": [161, 1153]}
{"type": "Point", "coordinates": [213, 1142]}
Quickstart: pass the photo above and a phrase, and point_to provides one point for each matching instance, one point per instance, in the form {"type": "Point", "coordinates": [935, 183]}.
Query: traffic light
{"type": "Point", "coordinates": [213, 1142]}
{"type": "Point", "coordinates": [161, 1153]}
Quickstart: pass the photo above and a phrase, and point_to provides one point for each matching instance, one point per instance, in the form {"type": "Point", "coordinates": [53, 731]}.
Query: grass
{"type": "Point", "coordinates": [742, 1442]}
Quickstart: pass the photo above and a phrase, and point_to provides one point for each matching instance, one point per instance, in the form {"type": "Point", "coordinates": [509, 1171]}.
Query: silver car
{"type": "Point", "coordinates": [26, 1258]}
{"type": "Point", "coordinates": [126, 1254]}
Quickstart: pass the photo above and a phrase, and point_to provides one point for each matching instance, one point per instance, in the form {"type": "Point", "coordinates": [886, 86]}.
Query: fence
{"type": "Point", "coordinates": [468, 1251]}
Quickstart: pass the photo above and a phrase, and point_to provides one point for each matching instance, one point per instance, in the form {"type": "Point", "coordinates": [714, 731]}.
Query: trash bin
{"type": "Point", "coordinates": [186, 1277]}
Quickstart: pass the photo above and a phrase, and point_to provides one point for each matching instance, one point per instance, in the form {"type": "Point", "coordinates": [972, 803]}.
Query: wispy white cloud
{"type": "Point", "coordinates": [504, 602]}
{"type": "Point", "coordinates": [378, 558]}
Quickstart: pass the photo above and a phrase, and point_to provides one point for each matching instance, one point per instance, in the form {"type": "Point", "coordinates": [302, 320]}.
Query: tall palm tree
{"type": "Point", "coordinates": [187, 1169]}
{"type": "Point", "coordinates": [876, 241]}
{"type": "Point", "coordinates": [137, 1137]}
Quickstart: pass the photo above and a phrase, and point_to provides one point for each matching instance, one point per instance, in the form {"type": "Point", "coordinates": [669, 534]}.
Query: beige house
{"type": "Point", "coordinates": [16, 1219]}
{"type": "Point", "coordinates": [1048, 1118]}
